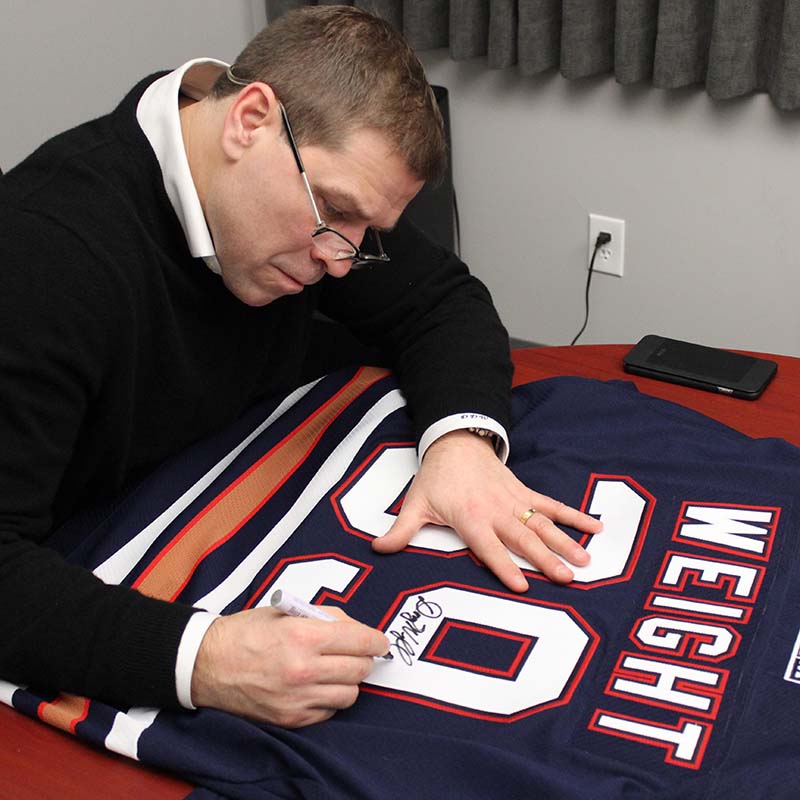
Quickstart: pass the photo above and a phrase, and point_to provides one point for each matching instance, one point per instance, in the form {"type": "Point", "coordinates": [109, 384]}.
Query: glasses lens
{"type": "Point", "coordinates": [333, 245]}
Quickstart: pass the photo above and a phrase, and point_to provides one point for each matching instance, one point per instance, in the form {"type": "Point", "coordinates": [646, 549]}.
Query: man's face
{"type": "Point", "coordinates": [261, 218]}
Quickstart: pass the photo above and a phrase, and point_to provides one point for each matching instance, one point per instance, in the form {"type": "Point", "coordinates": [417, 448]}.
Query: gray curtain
{"type": "Point", "coordinates": [732, 46]}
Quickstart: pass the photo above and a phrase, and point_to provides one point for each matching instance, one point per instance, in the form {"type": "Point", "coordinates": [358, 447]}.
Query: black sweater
{"type": "Point", "coordinates": [118, 349]}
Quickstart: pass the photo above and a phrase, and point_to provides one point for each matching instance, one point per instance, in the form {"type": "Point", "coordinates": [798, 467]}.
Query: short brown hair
{"type": "Point", "coordinates": [338, 68]}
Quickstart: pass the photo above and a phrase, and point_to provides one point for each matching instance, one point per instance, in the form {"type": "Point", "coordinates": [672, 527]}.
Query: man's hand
{"type": "Point", "coordinates": [462, 483]}
{"type": "Point", "coordinates": [285, 670]}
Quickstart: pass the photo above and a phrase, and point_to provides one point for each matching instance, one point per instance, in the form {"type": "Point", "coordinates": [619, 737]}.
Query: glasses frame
{"type": "Point", "coordinates": [359, 258]}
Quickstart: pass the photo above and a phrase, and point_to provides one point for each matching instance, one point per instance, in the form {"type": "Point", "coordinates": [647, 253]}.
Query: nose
{"type": "Point", "coordinates": [336, 268]}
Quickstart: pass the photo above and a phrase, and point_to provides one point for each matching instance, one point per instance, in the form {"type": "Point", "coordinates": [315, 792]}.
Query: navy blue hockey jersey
{"type": "Point", "coordinates": [669, 668]}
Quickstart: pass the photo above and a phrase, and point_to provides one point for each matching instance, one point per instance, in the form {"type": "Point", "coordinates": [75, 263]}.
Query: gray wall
{"type": "Point", "coordinates": [710, 194]}
{"type": "Point", "coordinates": [63, 63]}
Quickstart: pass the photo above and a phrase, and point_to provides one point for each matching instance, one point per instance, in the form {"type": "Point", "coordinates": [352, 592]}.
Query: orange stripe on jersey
{"type": "Point", "coordinates": [65, 712]}
{"type": "Point", "coordinates": [172, 568]}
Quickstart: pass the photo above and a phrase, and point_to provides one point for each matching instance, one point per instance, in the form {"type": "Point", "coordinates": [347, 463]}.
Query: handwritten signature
{"type": "Point", "coordinates": [405, 640]}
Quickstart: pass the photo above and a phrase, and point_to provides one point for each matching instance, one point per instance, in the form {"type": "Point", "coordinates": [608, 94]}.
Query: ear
{"type": "Point", "coordinates": [253, 114]}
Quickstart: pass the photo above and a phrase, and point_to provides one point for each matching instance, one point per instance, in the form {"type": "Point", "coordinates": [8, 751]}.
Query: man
{"type": "Point", "coordinates": [160, 269]}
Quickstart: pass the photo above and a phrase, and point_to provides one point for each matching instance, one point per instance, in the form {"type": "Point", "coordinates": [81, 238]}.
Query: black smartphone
{"type": "Point", "coordinates": [701, 367]}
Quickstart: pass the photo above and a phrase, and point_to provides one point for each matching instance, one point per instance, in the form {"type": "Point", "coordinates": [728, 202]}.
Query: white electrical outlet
{"type": "Point", "coordinates": [610, 257]}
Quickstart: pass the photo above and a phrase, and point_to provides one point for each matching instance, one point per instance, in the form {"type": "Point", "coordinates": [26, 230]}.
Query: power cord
{"type": "Point", "coordinates": [602, 238]}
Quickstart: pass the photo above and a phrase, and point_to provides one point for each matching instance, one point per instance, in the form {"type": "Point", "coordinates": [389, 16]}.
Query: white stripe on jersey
{"type": "Point", "coordinates": [117, 566]}
{"type": "Point", "coordinates": [332, 471]}
{"type": "Point", "coordinates": [123, 738]}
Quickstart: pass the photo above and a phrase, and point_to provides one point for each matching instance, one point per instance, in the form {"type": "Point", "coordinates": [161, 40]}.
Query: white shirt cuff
{"type": "Point", "coordinates": [457, 422]}
{"type": "Point", "coordinates": [188, 648]}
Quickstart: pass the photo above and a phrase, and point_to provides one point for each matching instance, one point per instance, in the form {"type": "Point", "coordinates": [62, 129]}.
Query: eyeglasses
{"type": "Point", "coordinates": [328, 241]}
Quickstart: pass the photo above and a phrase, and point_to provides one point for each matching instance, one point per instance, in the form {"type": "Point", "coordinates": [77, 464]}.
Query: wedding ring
{"type": "Point", "coordinates": [527, 515]}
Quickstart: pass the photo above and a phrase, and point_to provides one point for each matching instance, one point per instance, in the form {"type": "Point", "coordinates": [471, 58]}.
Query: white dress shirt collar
{"type": "Point", "coordinates": [157, 114]}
